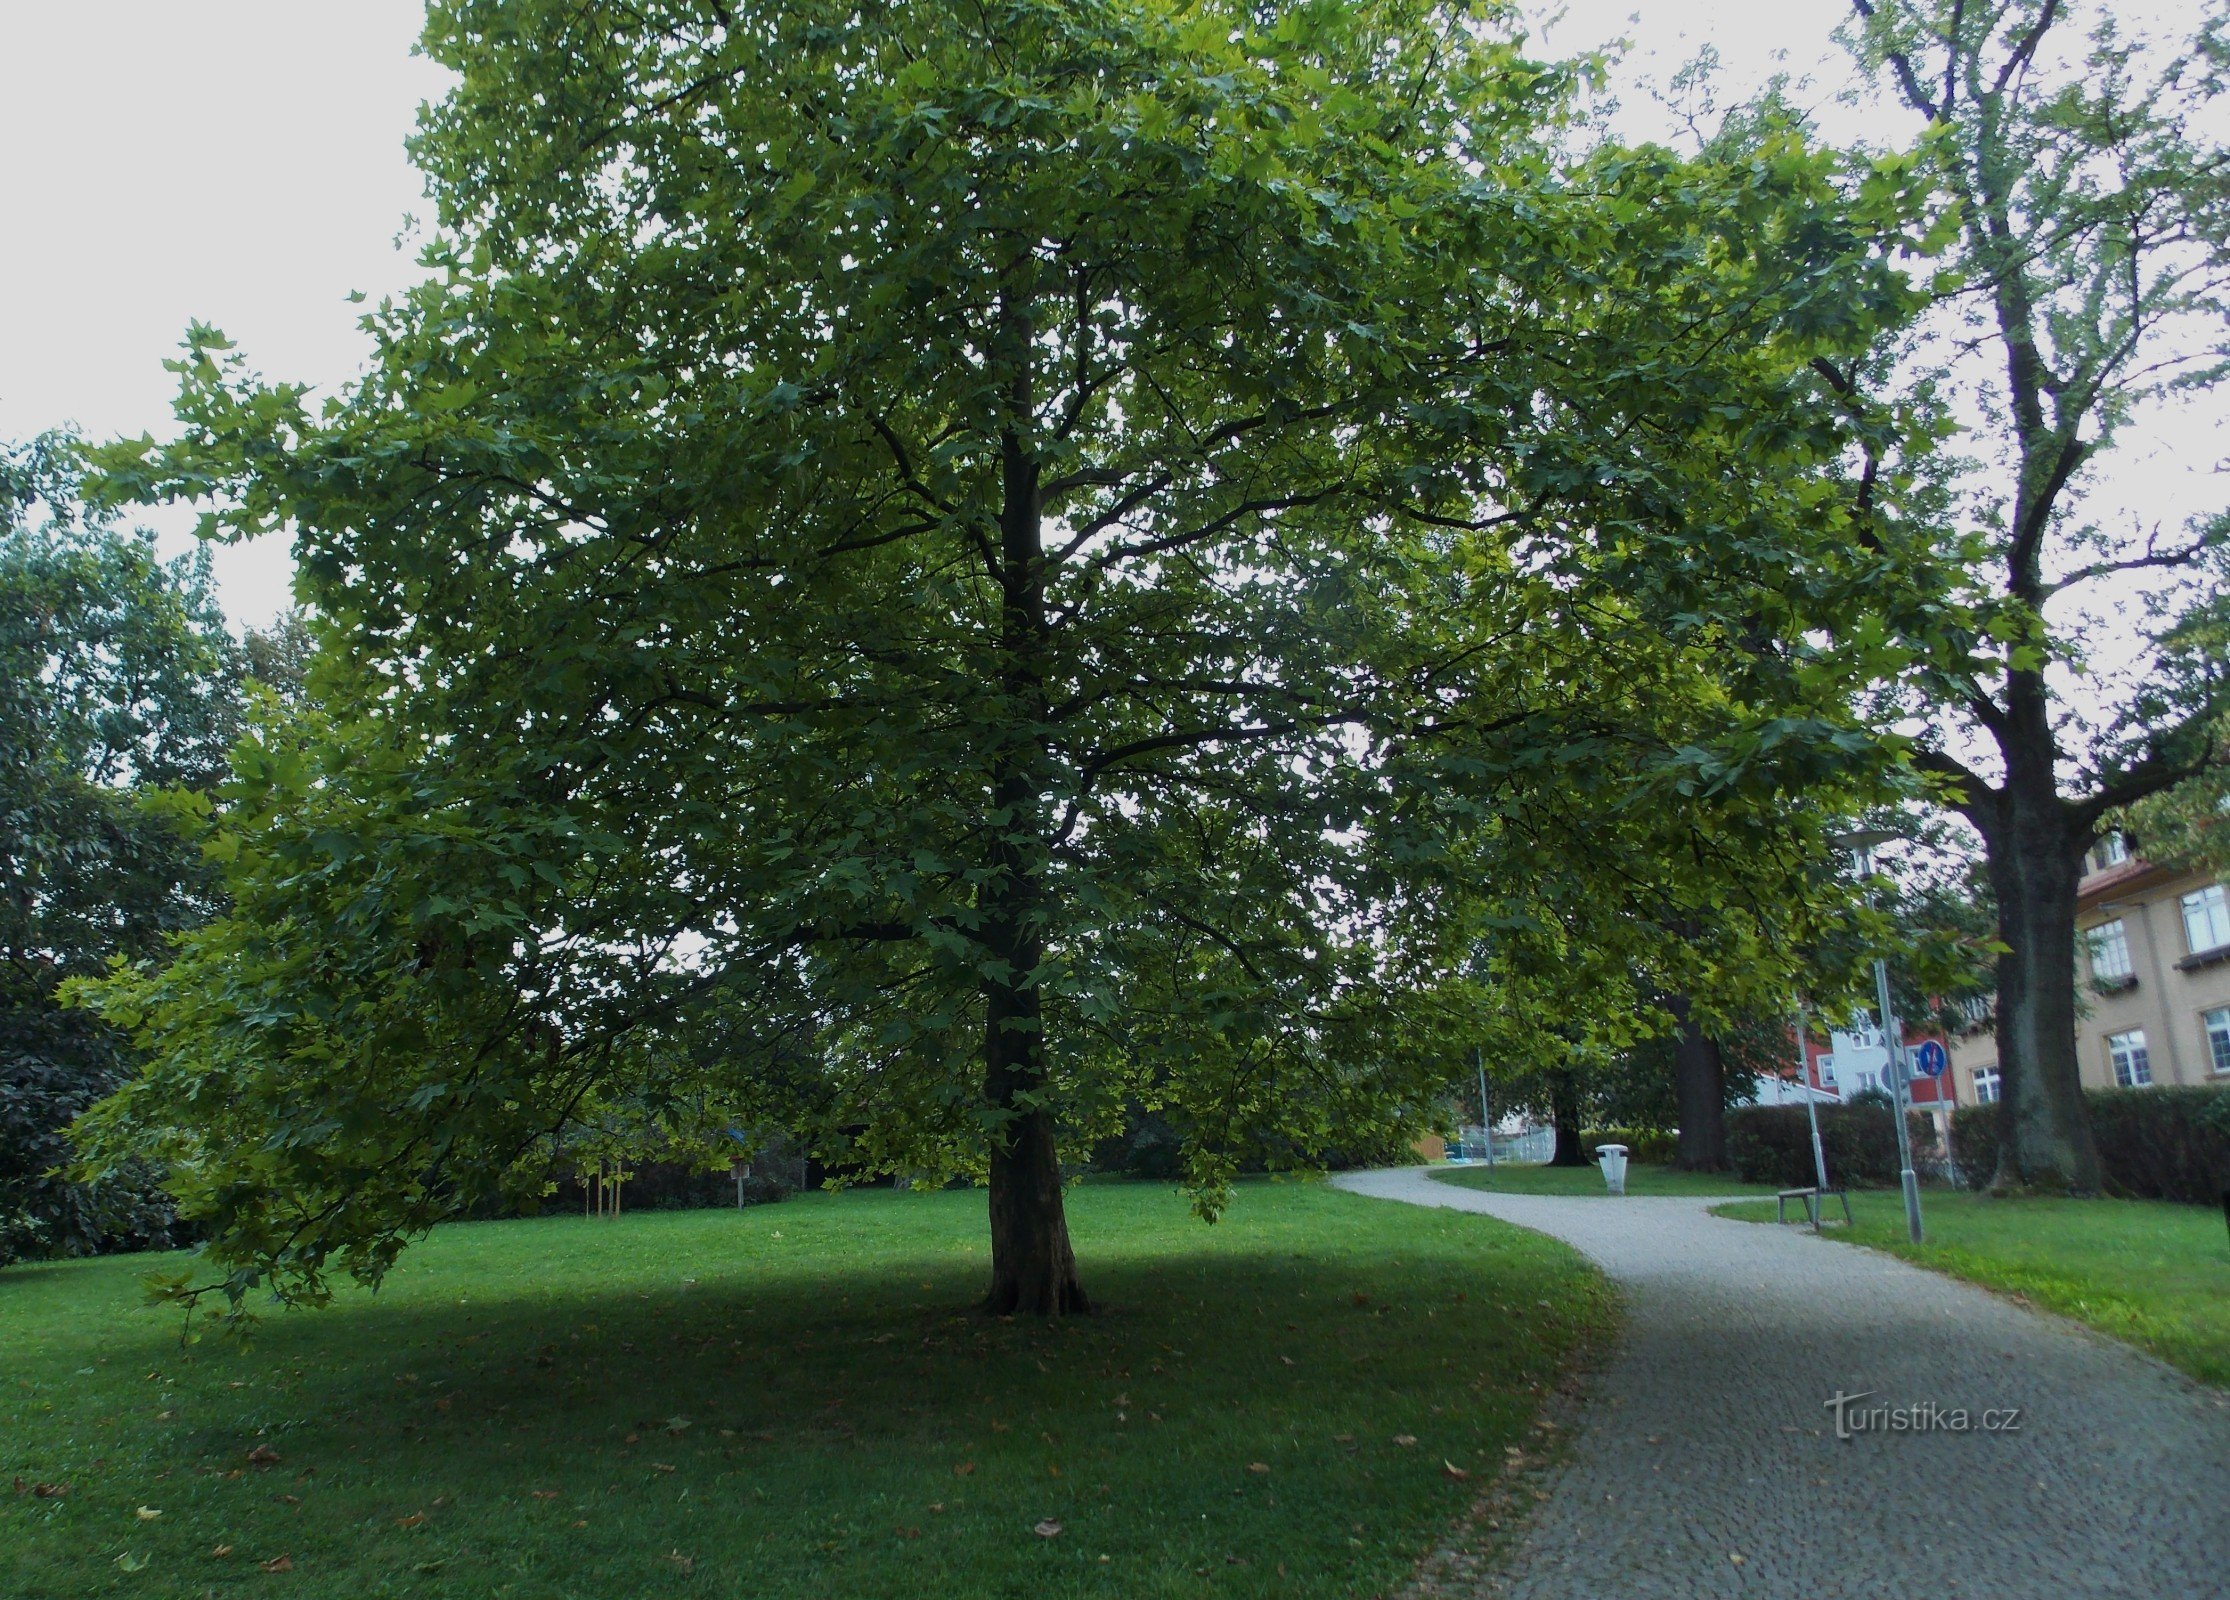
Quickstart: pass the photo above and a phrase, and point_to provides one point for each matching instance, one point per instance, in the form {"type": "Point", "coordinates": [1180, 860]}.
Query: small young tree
{"type": "Point", "coordinates": [2092, 258]}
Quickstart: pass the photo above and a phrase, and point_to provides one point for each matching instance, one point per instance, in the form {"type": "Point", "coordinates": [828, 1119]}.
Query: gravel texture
{"type": "Point", "coordinates": [1706, 1460]}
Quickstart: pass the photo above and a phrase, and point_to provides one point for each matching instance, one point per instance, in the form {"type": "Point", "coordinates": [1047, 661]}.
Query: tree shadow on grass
{"type": "Point", "coordinates": [540, 1408]}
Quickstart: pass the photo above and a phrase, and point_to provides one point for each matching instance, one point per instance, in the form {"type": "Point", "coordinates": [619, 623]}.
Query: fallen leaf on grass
{"type": "Point", "coordinates": [1405, 1440]}
{"type": "Point", "coordinates": [262, 1456]}
{"type": "Point", "coordinates": [279, 1564]}
{"type": "Point", "coordinates": [680, 1560]}
{"type": "Point", "coordinates": [411, 1521]}
{"type": "Point", "coordinates": [1453, 1471]}
{"type": "Point", "coordinates": [148, 1514]}
{"type": "Point", "coordinates": [1735, 1556]}
{"type": "Point", "coordinates": [1258, 1466]}
{"type": "Point", "coordinates": [965, 1469]}
{"type": "Point", "coordinates": [660, 1466]}
{"type": "Point", "coordinates": [544, 1494]}
{"type": "Point", "coordinates": [217, 1552]}
{"type": "Point", "coordinates": [1048, 1529]}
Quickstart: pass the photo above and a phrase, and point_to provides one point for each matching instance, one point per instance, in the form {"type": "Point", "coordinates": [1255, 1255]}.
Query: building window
{"type": "Point", "coordinates": [2109, 943]}
{"type": "Point", "coordinates": [2133, 1062]}
{"type": "Point", "coordinates": [1986, 1084]}
{"type": "Point", "coordinates": [2110, 851]}
{"type": "Point", "coordinates": [2206, 919]}
{"type": "Point", "coordinates": [2217, 1024]}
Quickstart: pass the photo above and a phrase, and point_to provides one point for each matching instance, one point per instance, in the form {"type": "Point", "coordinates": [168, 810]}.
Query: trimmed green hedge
{"type": "Point", "coordinates": [1650, 1147]}
{"type": "Point", "coordinates": [2153, 1144]}
{"type": "Point", "coordinates": [1773, 1144]}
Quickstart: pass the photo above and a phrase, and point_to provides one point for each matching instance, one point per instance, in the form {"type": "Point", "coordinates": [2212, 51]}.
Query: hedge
{"type": "Point", "coordinates": [2161, 1143]}
{"type": "Point", "coordinates": [1649, 1147]}
{"type": "Point", "coordinates": [1773, 1144]}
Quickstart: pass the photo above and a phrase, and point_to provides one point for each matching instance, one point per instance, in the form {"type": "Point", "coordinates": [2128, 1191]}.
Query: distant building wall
{"type": "Point", "coordinates": [2152, 968]}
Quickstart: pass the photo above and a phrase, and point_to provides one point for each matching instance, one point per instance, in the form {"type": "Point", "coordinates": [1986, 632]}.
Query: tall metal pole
{"type": "Point", "coordinates": [1486, 1119]}
{"type": "Point", "coordinates": [1893, 1039]}
{"type": "Point", "coordinates": [1812, 1116]}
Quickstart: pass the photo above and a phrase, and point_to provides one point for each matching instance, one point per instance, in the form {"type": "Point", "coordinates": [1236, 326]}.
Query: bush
{"type": "Point", "coordinates": [2153, 1144]}
{"type": "Point", "coordinates": [1773, 1144]}
{"type": "Point", "coordinates": [1647, 1146]}
{"type": "Point", "coordinates": [54, 1064]}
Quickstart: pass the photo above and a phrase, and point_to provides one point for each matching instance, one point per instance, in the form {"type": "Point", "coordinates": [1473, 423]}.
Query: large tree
{"type": "Point", "coordinates": [900, 555]}
{"type": "Point", "coordinates": [2088, 290]}
{"type": "Point", "coordinates": [119, 686]}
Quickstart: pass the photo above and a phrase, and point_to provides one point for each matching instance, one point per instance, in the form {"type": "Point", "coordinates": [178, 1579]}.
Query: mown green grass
{"type": "Point", "coordinates": [1510, 1177]}
{"type": "Point", "coordinates": [2154, 1274]}
{"type": "Point", "coordinates": [796, 1401]}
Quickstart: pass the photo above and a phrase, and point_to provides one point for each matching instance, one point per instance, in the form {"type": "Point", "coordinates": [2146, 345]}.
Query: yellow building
{"type": "Point", "coordinates": [2153, 975]}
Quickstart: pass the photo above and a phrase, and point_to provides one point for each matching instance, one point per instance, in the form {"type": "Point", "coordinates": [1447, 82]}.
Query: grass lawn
{"type": "Point", "coordinates": [1512, 1177]}
{"type": "Point", "coordinates": [795, 1401]}
{"type": "Point", "coordinates": [2157, 1275]}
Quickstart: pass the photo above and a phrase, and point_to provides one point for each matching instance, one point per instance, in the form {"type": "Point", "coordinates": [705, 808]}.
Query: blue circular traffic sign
{"type": "Point", "coordinates": [1930, 1058]}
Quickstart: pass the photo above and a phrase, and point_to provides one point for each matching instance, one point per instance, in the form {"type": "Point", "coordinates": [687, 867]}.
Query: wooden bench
{"type": "Point", "coordinates": [1811, 1199]}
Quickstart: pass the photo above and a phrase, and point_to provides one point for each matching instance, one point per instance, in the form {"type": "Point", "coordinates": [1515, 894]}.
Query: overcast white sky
{"type": "Point", "coordinates": [241, 162]}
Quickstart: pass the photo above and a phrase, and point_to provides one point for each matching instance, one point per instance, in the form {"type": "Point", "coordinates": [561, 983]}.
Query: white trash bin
{"type": "Point", "coordinates": [1612, 1159]}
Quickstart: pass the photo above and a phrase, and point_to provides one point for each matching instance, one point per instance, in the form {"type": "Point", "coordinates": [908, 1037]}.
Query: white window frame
{"type": "Point", "coordinates": [2214, 1028]}
{"type": "Point", "coordinates": [2206, 919]}
{"type": "Point", "coordinates": [2110, 851]}
{"type": "Point", "coordinates": [2131, 1058]}
{"type": "Point", "coordinates": [2114, 936]}
{"type": "Point", "coordinates": [1986, 1084]}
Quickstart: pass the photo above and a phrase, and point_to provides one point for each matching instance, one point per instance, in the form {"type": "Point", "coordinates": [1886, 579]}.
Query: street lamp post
{"type": "Point", "coordinates": [1892, 1042]}
{"type": "Point", "coordinates": [1811, 1116]}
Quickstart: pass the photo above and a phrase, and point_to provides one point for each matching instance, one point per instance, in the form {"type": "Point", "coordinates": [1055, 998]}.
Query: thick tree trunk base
{"type": "Point", "coordinates": [1041, 1297]}
{"type": "Point", "coordinates": [1033, 1267]}
{"type": "Point", "coordinates": [2045, 1141]}
{"type": "Point", "coordinates": [1700, 1095]}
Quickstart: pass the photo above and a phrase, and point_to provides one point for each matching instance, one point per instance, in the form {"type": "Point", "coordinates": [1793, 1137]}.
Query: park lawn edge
{"type": "Point", "coordinates": [412, 1429]}
{"type": "Point", "coordinates": [2095, 1310]}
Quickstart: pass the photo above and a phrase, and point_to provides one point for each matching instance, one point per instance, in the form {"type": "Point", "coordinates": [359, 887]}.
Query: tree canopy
{"type": "Point", "coordinates": [2080, 158]}
{"type": "Point", "coordinates": [927, 574]}
{"type": "Point", "coordinates": [119, 687]}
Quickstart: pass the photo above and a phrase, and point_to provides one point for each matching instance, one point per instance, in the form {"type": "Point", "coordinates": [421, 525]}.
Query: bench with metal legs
{"type": "Point", "coordinates": [1812, 1199]}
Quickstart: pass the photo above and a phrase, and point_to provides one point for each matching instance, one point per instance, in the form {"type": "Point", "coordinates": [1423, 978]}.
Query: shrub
{"type": "Point", "coordinates": [54, 1064]}
{"type": "Point", "coordinates": [1773, 1144]}
{"type": "Point", "coordinates": [1646, 1146]}
{"type": "Point", "coordinates": [2153, 1144]}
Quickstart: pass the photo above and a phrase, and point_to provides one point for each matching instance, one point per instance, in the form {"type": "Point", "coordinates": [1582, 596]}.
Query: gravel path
{"type": "Point", "coordinates": [1708, 1439]}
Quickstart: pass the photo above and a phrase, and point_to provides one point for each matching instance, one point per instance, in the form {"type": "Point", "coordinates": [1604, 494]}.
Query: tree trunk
{"type": "Point", "coordinates": [1564, 1112]}
{"type": "Point", "coordinates": [1699, 1095]}
{"type": "Point", "coordinates": [2035, 861]}
{"type": "Point", "coordinates": [1033, 1269]}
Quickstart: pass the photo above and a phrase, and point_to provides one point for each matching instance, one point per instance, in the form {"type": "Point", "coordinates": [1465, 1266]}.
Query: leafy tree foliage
{"type": "Point", "coordinates": [930, 577]}
{"type": "Point", "coordinates": [2091, 257]}
{"type": "Point", "coordinates": [117, 683]}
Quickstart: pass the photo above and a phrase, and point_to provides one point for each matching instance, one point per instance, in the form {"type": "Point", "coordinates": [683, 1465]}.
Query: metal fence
{"type": "Point", "coordinates": [1470, 1144]}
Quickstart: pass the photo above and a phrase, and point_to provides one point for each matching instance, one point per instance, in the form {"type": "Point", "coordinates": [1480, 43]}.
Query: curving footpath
{"type": "Point", "coordinates": [1706, 1460]}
